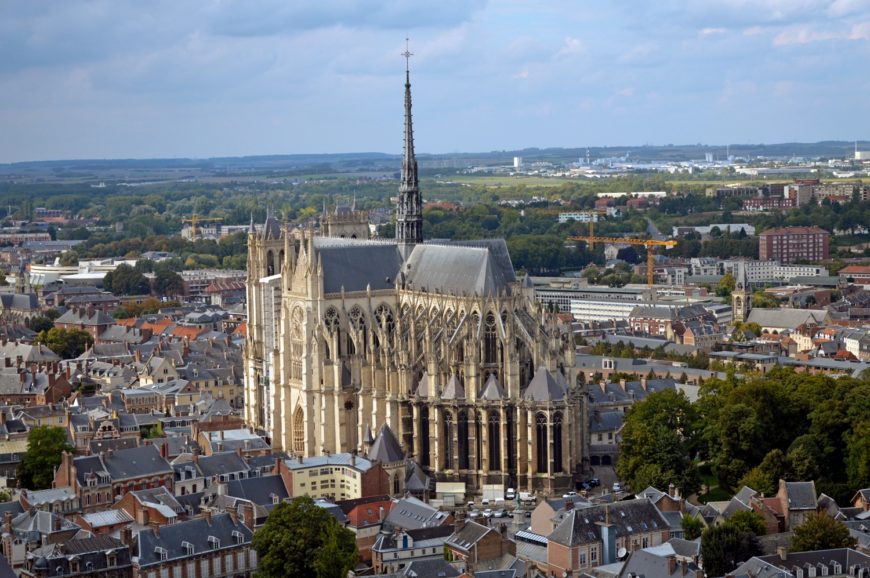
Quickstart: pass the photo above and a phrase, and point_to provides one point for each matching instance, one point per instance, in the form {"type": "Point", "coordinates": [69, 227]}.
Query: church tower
{"type": "Point", "coordinates": [409, 212]}
{"type": "Point", "coordinates": [740, 297]}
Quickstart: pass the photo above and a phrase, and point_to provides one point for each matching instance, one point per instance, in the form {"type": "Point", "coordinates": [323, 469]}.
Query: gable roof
{"type": "Point", "coordinates": [196, 532]}
{"type": "Point", "coordinates": [627, 517]}
{"type": "Point", "coordinates": [357, 264]}
{"type": "Point", "coordinates": [473, 268]}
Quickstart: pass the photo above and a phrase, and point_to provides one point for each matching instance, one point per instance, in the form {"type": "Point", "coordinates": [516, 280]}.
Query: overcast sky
{"type": "Point", "coordinates": [198, 78]}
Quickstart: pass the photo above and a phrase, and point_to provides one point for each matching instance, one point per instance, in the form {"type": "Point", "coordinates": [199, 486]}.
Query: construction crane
{"type": "Point", "coordinates": [194, 219]}
{"type": "Point", "coordinates": [649, 244]}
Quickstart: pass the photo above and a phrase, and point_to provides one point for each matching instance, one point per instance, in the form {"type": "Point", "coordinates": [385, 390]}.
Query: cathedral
{"type": "Point", "coordinates": [436, 343]}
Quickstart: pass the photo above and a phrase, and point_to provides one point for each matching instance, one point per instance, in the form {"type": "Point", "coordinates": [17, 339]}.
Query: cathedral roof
{"type": "Point", "coordinates": [356, 264]}
{"type": "Point", "coordinates": [386, 448]}
{"type": "Point", "coordinates": [472, 268]}
{"type": "Point", "coordinates": [454, 389]}
{"type": "Point", "coordinates": [544, 387]}
{"type": "Point", "coordinates": [492, 391]}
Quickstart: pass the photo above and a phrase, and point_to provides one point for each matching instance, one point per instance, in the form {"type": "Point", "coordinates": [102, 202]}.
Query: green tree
{"type": "Point", "coordinates": [692, 527]}
{"type": "Point", "coordinates": [167, 282]}
{"type": "Point", "coordinates": [337, 554]}
{"type": "Point", "coordinates": [292, 539]}
{"type": "Point", "coordinates": [41, 323]}
{"type": "Point", "coordinates": [748, 521]}
{"type": "Point", "coordinates": [724, 546]}
{"type": "Point", "coordinates": [765, 476]}
{"type": "Point", "coordinates": [658, 443]}
{"type": "Point", "coordinates": [126, 280]}
{"type": "Point", "coordinates": [820, 532]}
{"type": "Point", "coordinates": [67, 343]}
{"type": "Point", "coordinates": [45, 444]}
{"type": "Point", "coordinates": [726, 285]}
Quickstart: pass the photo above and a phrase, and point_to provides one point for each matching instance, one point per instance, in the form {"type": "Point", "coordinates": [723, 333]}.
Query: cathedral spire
{"type": "Point", "coordinates": [409, 212]}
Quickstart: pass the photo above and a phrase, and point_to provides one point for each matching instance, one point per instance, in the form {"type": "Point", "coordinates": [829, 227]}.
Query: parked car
{"type": "Point", "coordinates": [594, 482]}
{"type": "Point", "coordinates": [474, 514]}
{"type": "Point", "coordinates": [500, 513]}
{"type": "Point", "coordinates": [617, 487]}
{"type": "Point", "coordinates": [510, 494]}
{"type": "Point", "coordinates": [487, 513]}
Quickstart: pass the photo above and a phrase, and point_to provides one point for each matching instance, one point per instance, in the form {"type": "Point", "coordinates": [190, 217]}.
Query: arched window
{"type": "Point", "coordinates": [494, 439]}
{"type": "Point", "coordinates": [557, 442]}
{"type": "Point", "coordinates": [299, 431]}
{"type": "Point", "coordinates": [270, 263]}
{"type": "Point", "coordinates": [448, 441]}
{"type": "Point", "coordinates": [541, 442]}
{"type": "Point", "coordinates": [462, 430]}
{"type": "Point", "coordinates": [511, 437]}
{"type": "Point", "coordinates": [478, 440]}
{"type": "Point", "coordinates": [490, 340]}
{"type": "Point", "coordinates": [396, 487]}
{"type": "Point", "coordinates": [424, 435]}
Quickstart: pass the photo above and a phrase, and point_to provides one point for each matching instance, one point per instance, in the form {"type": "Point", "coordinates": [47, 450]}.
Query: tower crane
{"type": "Point", "coordinates": [194, 219]}
{"type": "Point", "coordinates": [649, 244]}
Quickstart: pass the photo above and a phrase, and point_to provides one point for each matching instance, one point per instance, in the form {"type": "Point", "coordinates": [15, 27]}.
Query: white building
{"type": "Point", "coordinates": [581, 216]}
{"type": "Point", "coordinates": [762, 271]}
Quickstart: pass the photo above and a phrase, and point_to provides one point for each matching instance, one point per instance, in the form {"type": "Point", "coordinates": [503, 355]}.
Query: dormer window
{"type": "Point", "coordinates": [275, 498]}
{"type": "Point", "coordinates": [161, 553]}
{"type": "Point", "coordinates": [213, 543]}
{"type": "Point", "coordinates": [238, 538]}
{"type": "Point", "coordinates": [188, 548]}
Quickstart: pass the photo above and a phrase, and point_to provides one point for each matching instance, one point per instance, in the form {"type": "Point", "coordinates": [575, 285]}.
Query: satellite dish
{"type": "Point", "coordinates": [621, 553]}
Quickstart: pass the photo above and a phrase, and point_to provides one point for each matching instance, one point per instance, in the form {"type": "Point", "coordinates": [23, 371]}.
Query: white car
{"type": "Point", "coordinates": [510, 494]}
{"type": "Point", "coordinates": [500, 513]}
{"type": "Point", "coordinates": [617, 487]}
{"type": "Point", "coordinates": [487, 513]}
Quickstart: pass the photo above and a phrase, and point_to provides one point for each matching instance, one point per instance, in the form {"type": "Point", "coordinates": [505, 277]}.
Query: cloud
{"type": "Point", "coordinates": [706, 32]}
{"type": "Point", "coordinates": [809, 34]}
{"type": "Point", "coordinates": [572, 47]}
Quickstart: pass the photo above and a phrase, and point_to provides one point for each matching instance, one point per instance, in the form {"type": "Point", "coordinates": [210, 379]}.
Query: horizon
{"type": "Point", "coordinates": [88, 80]}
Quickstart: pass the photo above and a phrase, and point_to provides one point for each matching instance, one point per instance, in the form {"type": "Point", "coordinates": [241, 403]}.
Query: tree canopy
{"type": "Point", "coordinates": [45, 444]}
{"type": "Point", "coordinates": [821, 532]}
{"type": "Point", "coordinates": [726, 545]}
{"type": "Point", "coordinates": [302, 539]}
{"type": "Point", "coordinates": [67, 343]}
{"type": "Point", "coordinates": [658, 443]}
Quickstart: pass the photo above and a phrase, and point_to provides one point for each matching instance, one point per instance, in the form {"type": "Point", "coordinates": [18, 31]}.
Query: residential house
{"type": "Point", "coordinates": [797, 501]}
{"type": "Point", "coordinates": [94, 557]}
{"type": "Point", "coordinates": [63, 501]}
{"type": "Point", "coordinates": [592, 536]}
{"type": "Point", "coordinates": [394, 549]}
{"type": "Point", "coordinates": [343, 476]}
{"type": "Point", "coordinates": [214, 546]}
{"type": "Point", "coordinates": [151, 507]}
{"type": "Point", "coordinates": [89, 319]}
{"type": "Point", "coordinates": [365, 518]}
{"type": "Point", "coordinates": [784, 564]}
{"type": "Point", "coordinates": [101, 479]}
{"type": "Point", "coordinates": [104, 522]}
{"type": "Point", "coordinates": [26, 531]}
{"type": "Point", "coordinates": [478, 546]}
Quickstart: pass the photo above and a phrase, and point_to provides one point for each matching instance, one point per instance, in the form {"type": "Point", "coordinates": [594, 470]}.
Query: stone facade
{"type": "Point", "coordinates": [441, 342]}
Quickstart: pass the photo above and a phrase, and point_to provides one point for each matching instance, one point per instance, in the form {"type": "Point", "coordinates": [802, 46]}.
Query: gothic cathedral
{"type": "Point", "coordinates": [439, 341]}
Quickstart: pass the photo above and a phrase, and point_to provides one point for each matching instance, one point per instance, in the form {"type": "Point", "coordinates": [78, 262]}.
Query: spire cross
{"type": "Point", "coordinates": [407, 54]}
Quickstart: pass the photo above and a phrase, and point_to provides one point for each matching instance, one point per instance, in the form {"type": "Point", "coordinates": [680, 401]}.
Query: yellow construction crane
{"type": "Point", "coordinates": [194, 219]}
{"type": "Point", "coordinates": [648, 243]}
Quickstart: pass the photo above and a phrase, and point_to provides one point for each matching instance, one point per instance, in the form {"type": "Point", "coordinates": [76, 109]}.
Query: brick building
{"type": "Point", "coordinates": [790, 244]}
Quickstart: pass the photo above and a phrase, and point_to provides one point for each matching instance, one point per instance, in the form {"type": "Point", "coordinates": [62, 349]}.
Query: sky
{"type": "Point", "coordinates": [201, 78]}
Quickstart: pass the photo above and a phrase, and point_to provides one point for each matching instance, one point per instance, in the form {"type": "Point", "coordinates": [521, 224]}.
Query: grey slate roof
{"type": "Point", "coordinates": [544, 387]}
{"type": "Point", "coordinates": [628, 518]}
{"type": "Point", "coordinates": [259, 490]}
{"type": "Point", "coordinates": [430, 568]}
{"type": "Point", "coordinates": [356, 264]}
{"type": "Point", "coordinates": [468, 536]}
{"type": "Point", "coordinates": [411, 513]}
{"type": "Point", "coordinates": [386, 448]}
{"type": "Point", "coordinates": [786, 318]}
{"type": "Point", "coordinates": [221, 463]}
{"type": "Point", "coordinates": [472, 268]}
{"type": "Point", "coordinates": [801, 495]}
{"type": "Point", "coordinates": [649, 565]}
{"type": "Point", "coordinates": [196, 532]}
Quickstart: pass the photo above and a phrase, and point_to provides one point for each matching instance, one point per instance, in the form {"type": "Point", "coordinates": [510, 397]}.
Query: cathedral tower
{"type": "Point", "coordinates": [740, 297]}
{"type": "Point", "coordinates": [409, 212]}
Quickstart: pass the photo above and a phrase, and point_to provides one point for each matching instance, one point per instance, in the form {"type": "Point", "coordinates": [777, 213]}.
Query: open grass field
{"type": "Point", "coordinates": [508, 181]}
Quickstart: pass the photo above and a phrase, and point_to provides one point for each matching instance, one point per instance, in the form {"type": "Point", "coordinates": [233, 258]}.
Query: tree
{"type": "Point", "coordinates": [748, 521]}
{"type": "Point", "coordinates": [45, 444]}
{"type": "Point", "coordinates": [338, 554]}
{"type": "Point", "coordinates": [726, 285]}
{"type": "Point", "coordinates": [67, 343]}
{"type": "Point", "coordinates": [692, 527]}
{"type": "Point", "coordinates": [765, 476]}
{"type": "Point", "coordinates": [296, 540]}
{"type": "Point", "coordinates": [724, 546]}
{"type": "Point", "coordinates": [658, 441]}
{"type": "Point", "coordinates": [167, 282]}
{"type": "Point", "coordinates": [41, 323]}
{"type": "Point", "coordinates": [819, 532]}
{"type": "Point", "coordinates": [126, 280]}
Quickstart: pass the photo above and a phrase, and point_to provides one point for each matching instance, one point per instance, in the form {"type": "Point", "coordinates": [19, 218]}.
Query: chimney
{"type": "Point", "coordinates": [643, 382]}
{"type": "Point", "coordinates": [782, 552]}
{"type": "Point", "coordinates": [380, 514]}
{"type": "Point", "coordinates": [222, 489]}
{"type": "Point", "coordinates": [684, 567]}
{"type": "Point", "coordinates": [7, 521]}
{"type": "Point", "coordinates": [127, 536]}
{"type": "Point", "coordinates": [234, 516]}
{"type": "Point", "coordinates": [671, 489]}
{"type": "Point", "coordinates": [608, 539]}
{"type": "Point", "coordinates": [56, 523]}
{"type": "Point", "coordinates": [672, 565]}
{"type": "Point", "coordinates": [622, 384]}
{"type": "Point", "coordinates": [164, 449]}
{"type": "Point", "coordinates": [207, 515]}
